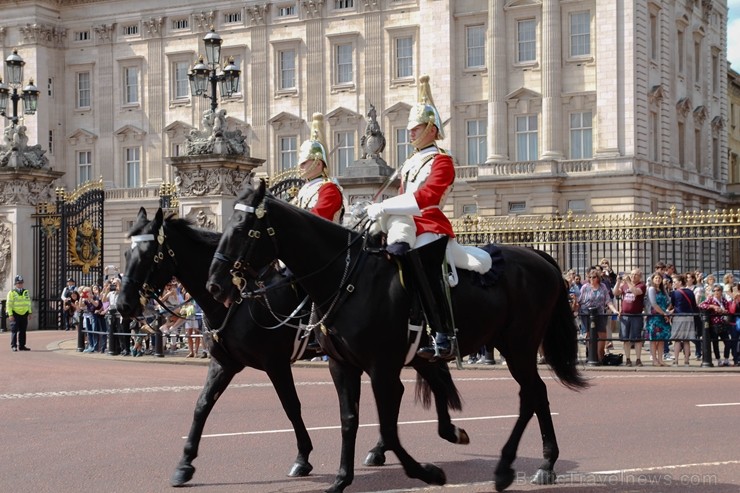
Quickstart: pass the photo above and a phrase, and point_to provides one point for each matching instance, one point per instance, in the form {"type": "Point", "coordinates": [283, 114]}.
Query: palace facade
{"type": "Point", "coordinates": [553, 105]}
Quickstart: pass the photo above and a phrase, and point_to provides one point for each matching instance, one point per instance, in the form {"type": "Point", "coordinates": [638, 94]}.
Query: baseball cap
{"type": "Point", "coordinates": [18, 279]}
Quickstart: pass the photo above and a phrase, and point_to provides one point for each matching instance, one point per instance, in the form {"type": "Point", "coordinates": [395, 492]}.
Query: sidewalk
{"type": "Point", "coordinates": [66, 343]}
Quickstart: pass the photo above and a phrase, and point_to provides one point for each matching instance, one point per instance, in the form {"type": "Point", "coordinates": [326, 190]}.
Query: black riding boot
{"type": "Point", "coordinates": [429, 282]}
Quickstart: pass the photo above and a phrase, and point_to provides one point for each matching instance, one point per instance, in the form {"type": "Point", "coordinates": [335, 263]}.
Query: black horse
{"type": "Point", "coordinates": [163, 248]}
{"type": "Point", "coordinates": [363, 309]}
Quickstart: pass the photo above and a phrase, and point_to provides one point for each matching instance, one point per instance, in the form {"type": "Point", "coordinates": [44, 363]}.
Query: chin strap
{"type": "Point", "coordinates": [423, 135]}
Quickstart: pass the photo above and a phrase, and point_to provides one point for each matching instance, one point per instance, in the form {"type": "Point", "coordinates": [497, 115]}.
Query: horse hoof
{"type": "Point", "coordinates": [434, 475]}
{"type": "Point", "coordinates": [374, 459]}
{"type": "Point", "coordinates": [462, 437]}
{"type": "Point", "coordinates": [503, 480]}
{"type": "Point", "coordinates": [543, 476]}
{"type": "Point", "coordinates": [300, 470]}
{"type": "Point", "coordinates": [182, 475]}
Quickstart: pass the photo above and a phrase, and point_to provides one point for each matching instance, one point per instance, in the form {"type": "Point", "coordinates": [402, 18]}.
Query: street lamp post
{"type": "Point", "coordinates": [29, 94]}
{"type": "Point", "coordinates": [204, 77]}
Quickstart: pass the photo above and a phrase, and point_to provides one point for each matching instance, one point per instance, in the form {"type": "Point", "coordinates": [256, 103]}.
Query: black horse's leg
{"type": "Point", "coordinates": [435, 378]}
{"type": "Point", "coordinates": [281, 377]}
{"type": "Point", "coordinates": [388, 390]}
{"type": "Point", "coordinates": [216, 382]}
{"type": "Point", "coordinates": [504, 474]}
{"type": "Point", "coordinates": [347, 383]}
{"type": "Point", "coordinates": [550, 451]}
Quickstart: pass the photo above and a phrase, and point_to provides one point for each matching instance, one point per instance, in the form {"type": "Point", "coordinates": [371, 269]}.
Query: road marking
{"type": "Point", "coordinates": [674, 466]}
{"type": "Point", "coordinates": [337, 427]}
{"type": "Point", "coordinates": [718, 404]}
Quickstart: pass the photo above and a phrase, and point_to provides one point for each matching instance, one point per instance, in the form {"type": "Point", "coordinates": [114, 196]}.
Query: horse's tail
{"type": "Point", "coordinates": [441, 374]}
{"type": "Point", "coordinates": [561, 338]}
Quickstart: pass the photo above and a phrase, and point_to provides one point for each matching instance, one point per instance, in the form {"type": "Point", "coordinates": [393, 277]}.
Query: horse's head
{"type": "Point", "coordinates": [245, 242]}
{"type": "Point", "coordinates": [148, 268]}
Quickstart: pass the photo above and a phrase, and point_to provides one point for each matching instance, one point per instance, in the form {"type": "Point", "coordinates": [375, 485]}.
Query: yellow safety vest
{"type": "Point", "coordinates": [18, 302]}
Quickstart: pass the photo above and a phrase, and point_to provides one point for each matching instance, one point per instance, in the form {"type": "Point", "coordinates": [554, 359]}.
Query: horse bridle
{"type": "Point", "coordinates": [239, 266]}
{"type": "Point", "coordinates": [146, 292]}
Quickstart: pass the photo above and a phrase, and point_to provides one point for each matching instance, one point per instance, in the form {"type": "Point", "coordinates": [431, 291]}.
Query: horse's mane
{"type": "Point", "coordinates": [184, 227]}
{"type": "Point", "coordinates": [309, 216]}
{"type": "Point", "coordinates": [192, 232]}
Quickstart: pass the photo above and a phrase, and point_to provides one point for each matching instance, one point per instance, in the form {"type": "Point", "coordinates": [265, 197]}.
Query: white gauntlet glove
{"type": "Point", "coordinates": [374, 211]}
{"type": "Point", "coordinates": [402, 205]}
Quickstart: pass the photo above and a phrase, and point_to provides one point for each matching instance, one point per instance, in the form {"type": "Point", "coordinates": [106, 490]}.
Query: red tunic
{"type": "Point", "coordinates": [430, 183]}
{"type": "Point", "coordinates": [322, 197]}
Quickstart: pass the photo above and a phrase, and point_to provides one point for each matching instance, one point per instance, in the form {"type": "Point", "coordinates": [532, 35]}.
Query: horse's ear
{"type": "Point", "coordinates": [261, 190]}
{"type": "Point", "coordinates": [142, 215]}
{"type": "Point", "coordinates": [159, 217]}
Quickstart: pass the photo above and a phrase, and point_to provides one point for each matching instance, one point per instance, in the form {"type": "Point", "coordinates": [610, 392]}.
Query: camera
{"type": "Point", "coordinates": [112, 287]}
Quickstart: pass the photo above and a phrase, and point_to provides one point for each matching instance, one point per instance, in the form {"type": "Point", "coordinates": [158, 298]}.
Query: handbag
{"type": "Point", "coordinates": [612, 359]}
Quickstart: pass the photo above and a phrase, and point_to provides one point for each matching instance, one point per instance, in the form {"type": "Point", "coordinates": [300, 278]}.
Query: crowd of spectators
{"type": "Point", "coordinates": [664, 309]}
{"type": "Point", "coordinates": [93, 309]}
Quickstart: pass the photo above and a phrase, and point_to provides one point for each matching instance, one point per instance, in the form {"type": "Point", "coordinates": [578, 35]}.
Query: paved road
{"type": "Point", "coordinates": [88, 423]}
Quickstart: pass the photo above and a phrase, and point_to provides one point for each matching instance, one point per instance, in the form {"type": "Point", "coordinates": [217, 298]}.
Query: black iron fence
{"type": "Point", "coordinates": [707, 241]}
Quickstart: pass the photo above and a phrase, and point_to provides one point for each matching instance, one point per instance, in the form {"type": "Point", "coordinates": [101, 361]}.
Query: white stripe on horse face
{"type": "Point", "coordinates": [140, 238]}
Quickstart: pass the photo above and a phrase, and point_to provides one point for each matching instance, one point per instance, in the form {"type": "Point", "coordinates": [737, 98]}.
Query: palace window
{"type": "Point", "coordinates": [130, 85]}
{"type": "Point", "coordinates": [83, 90]}
{"type": "Point", "coordinates": [580, 34]}
{"type": "Point", "coordinates": [404, 57]}
{"type": "Point", "coordinates": [84, 167]}
{"type": "Point", "coordinates": [132, 166]}
{"type": "Point", "coordinates": [526, 41]}
{"type": "Point", "coordinates": [288, 152]}
{"type": "Point", "coordinates": [581, 135]}
{"type": "Point", "coordinates": [287, 67]}
{"type": "Point", "coordinates": [476, 139]}
{"type": "Point", "coordinates": [526, 138]}
{"type": "Point", "coordinates": [403, 146]}
{"type": "Point", "coordinates": [345, 146]}
{"type": "Point", "coordinates": [475, 40]}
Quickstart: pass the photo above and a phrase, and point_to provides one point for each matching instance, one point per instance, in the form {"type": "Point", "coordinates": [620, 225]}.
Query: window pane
{"type": "Point", "coordinates": [132, 167]}
{"type": "Point", "coordinates": [580, 33]}
{"type": "Point", "coordinates": [181, 80]}
{"type": "Point", "coordinates": [476, 46]}
{"type": "Point", "coordinates": [404, 57]}
{"type": "Point", "coordinates": [403, 146]}
{"type": "Point", "coordinates": [580, 136]}
{"type": "Point", "coordinates": [288, 153]}
{"type": "Point", "coordinates": [131, 81]}
{"type": "Point", "coordinates": [287, 69]}
{"type": "Point", "coordinates": [527, 41]}
{"type": "Point", "coordinates": [83, 90]}
{"type": "Point", "coordinates": [84, 167]}
{"type": "Point", "coordinates": [345, 146]}
{"type": "Point", "coordinates": [526, 138]}
{"type": "Point", "coordinates": [476, 140]}
{"type": "Point", "coordinates": [344, 64]}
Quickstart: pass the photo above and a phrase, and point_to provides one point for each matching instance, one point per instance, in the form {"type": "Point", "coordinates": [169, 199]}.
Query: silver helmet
{"type": "Point", "coordinates": [314, 148]}
{"type": "Point", "coordinates": [424, 112]}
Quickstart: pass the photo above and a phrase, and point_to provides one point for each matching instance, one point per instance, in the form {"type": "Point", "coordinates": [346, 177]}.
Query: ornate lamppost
{"type": "Point", "coordinates": [204, 77]}
{"type": "Point", "coordinates": [29, 94]}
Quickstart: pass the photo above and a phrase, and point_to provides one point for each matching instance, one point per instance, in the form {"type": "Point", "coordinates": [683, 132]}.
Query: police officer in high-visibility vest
{"type": "Point", "coordinates": [19, 312]}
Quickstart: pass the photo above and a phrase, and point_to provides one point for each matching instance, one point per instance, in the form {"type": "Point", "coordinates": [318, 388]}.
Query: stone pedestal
{"type": "Point", "coordinates": [208, 185]}
{"type": "Point", "coordinates": [21, 190]}
{"type": "Point", "coordinates": [362, 180]}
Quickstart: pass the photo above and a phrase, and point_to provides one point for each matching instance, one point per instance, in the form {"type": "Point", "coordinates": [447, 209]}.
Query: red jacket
{"type": "Point", "coordinates": [430, 180]}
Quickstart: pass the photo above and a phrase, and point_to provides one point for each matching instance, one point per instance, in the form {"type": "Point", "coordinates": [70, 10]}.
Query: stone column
{"type": "Point", "coordinates": [606, 139]}
{"type": "Point", "coordinates": [497, 87]}
{"type": "Point", "coordinates": [551, 81]}
{"type": "Point", "coordinates": [21, 189]}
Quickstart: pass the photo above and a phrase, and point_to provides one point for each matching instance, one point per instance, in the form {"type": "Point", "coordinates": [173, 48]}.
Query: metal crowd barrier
{"type": "Point", "coordinates": [704, 339]}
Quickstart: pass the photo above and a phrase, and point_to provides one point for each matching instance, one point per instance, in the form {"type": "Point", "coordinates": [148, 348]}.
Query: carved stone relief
{"type": "Point", "coordinates": [5, 251]}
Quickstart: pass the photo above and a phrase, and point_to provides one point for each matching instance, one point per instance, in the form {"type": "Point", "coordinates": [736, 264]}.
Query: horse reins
{"type": "Point", "coordinates": [238, 265]}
